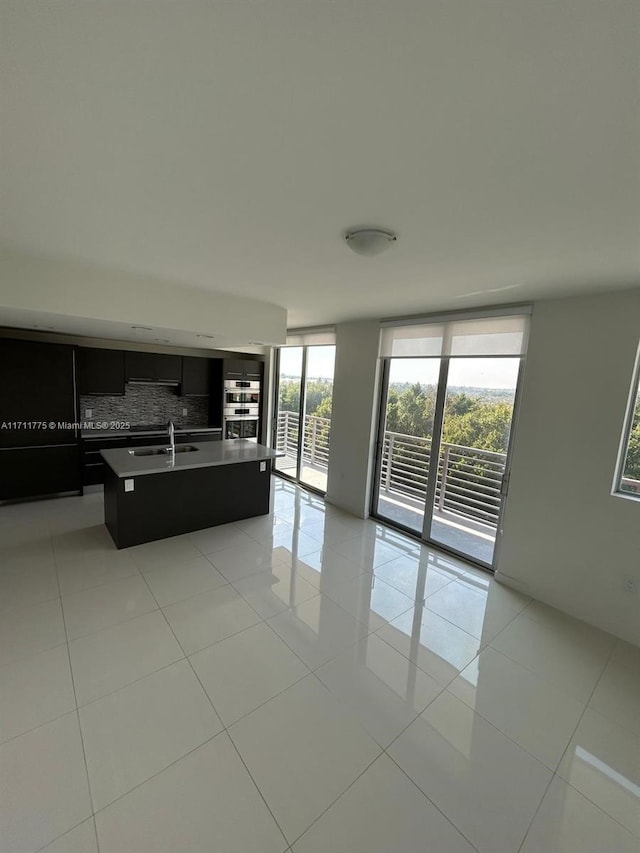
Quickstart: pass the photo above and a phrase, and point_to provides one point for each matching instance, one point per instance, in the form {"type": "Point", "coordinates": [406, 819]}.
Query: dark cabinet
{"type": "Point", "coordinates": [140, 365]}
{"type": "Point", "coordinates": [33, 471]}
{"type": "Point", "coordinates": [92, 462]}
{"type": "Point", "coordinates": [195, 376]}
{"type": "Point", "coordinates": [168, 368]}
{"type": "Point", "coordinates": [153, 367]}
{"type": "Point", "coordinates": [100, 371]}
{"type": "Point", "coordinates": [252, 369]}
{"type": "Point", "coordinates": [195, 437]}
{"type": "Point", "coordinates": [241, 368]}
{"type": "Point", "coordinates": [37, 402]}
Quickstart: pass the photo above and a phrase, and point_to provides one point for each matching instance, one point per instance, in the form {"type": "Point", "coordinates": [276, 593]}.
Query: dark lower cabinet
{"type": "Point", "coordinates": [27, 472]}
{"type": "Point", "coordinates": [180, 501]}
{"type": "Point", "coordinates": [92, 462]}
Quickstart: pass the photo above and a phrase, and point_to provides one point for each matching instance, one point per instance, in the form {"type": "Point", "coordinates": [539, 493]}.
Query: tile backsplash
{"type": "Point", "coordinates": [146, 404]}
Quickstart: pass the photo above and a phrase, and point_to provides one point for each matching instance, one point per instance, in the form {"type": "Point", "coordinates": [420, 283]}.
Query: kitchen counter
{"type": "Point", "coordinates": [124, 463]}
{"type": "Point", "coordinates": [126, 433]}
{"type": "Point", "coordinates": [157, 496]}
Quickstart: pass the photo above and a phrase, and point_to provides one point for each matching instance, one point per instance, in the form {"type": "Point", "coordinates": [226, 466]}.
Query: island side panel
{"type": "Point", "coordinates": [180, 501]}
{"type": "Point", "coordinates": [112, 486]}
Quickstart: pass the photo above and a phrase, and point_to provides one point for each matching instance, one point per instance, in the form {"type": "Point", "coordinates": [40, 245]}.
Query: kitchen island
{"type": "Point", "coordinates": [152, 493]}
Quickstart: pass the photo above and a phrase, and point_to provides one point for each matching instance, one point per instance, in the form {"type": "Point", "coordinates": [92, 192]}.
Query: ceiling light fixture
{"type": "Point", "coordinates": [369, 241]}
{"type": "Point", "coordinates": [211, 337]}
{"type": "Point", "coordinates": [144, 328]}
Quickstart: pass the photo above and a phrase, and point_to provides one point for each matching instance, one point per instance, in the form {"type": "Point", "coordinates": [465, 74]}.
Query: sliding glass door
{"type": "Point", "coordinates": [288, 409]}
{"type": "Point", "coordinates": [405, 447]}
{"type": "Point", "coordinates": [476, 427]}
{"type": "Point", "coordinates": [302, 424]}
{"type": "Point", "coordinates": [445, 429]}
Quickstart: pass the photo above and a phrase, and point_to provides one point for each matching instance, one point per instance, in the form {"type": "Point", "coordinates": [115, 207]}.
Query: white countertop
{"type": "Point", "coordinates": [208, 454]}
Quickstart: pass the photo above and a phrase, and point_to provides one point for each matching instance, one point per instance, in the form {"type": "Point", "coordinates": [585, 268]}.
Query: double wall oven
{"type": "Point", "coordinates": [241, 409]}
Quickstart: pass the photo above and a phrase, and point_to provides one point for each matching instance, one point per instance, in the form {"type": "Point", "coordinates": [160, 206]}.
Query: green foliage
{"type": "Point", "coordinates": [469, 420]}
{"type": "Point", "coordinates": [632, 462]}
{"type": "Point", "coordinates": [484, 425]}
{"type": "Point", "coordinates": [319, 394]}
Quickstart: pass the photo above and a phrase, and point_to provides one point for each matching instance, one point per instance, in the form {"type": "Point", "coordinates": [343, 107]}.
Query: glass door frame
{"type": "Point", "coordinates": [301, 410]}
{"type": "Point", "coordinates": [436, 442]}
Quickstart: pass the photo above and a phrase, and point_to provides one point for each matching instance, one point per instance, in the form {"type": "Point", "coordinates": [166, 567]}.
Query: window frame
{"type": "Point", "coordinates": [623, 449]}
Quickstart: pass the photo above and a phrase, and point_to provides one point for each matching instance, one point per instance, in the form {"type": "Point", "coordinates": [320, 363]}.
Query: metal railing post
{"type": "Point", "coordinates": [314, 425]}
{"type": "Point", "coordinates": [387, 482]}
{"type": "Point", "coordinates": [445, 472]}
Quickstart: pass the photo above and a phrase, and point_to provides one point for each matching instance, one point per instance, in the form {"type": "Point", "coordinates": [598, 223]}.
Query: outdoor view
{"type": "Point", "coordinates": [630, 481]}
{"type": "Point", "coordinates": [312, 467]}
{"type": "Point", "coordinates": [476, 426]}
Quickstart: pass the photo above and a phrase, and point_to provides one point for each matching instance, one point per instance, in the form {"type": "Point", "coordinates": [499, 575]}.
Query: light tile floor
{"type": "Point", "coordinates": [304, 682]}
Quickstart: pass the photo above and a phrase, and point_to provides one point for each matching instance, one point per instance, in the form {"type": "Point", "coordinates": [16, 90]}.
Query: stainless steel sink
{"type": "Point", "coordinates": [162, 451]}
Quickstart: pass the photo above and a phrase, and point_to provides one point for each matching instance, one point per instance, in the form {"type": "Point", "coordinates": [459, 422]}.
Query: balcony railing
{"type": "Point", "coordinates": [469, 479]}
{"type": "Point", "coordinates": [315, 445]}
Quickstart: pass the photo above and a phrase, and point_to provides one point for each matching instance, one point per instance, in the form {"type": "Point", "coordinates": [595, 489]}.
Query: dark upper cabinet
{"type": "Point", "coordinates": [253, 369]}
{"type": "Point", "coordinates": [153, 367]}
{"type": "Point", "coordinates": [100, 371]}
{"type": "Point", "coordinates": [140, 365]}
{"type": "Point", "coordinates": [195, 376]}
{"type": "Point", "coordinates": [168, 367]}
{"type": "Point", "coordinates": [37, 386]}
{"type": "Point", "coordinates": [241, 368]}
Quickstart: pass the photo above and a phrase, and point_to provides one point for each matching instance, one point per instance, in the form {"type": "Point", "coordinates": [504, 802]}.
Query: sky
{"type": "Point", "coordinates": [320, 361]}
{"type": "Point", "coordinates": [470, 372]}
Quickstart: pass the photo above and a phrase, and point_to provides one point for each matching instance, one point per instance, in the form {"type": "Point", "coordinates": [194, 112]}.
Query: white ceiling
{"type": "Point", "coordinates": [228, 144]}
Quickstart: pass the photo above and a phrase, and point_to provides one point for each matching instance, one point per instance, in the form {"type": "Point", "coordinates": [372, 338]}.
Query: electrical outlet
{"type": "Point", "coordinates": [184, 413]}
{"type": "Point", "coordinates": [88, 413]}
{"type": "Point", "coordinates": [630, 584]}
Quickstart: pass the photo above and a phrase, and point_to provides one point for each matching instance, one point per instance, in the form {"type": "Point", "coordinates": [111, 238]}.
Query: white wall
{"type": "Point", "coordinates": [567, 540]}
{"type": "Point", "coordinates": [354, 414]}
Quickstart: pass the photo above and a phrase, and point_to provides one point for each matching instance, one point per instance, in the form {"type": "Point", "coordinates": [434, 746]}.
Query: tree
{"type": "Point", "coordinates": [632, 462]}
{"type": "Point", "coordinates": [485, 426]}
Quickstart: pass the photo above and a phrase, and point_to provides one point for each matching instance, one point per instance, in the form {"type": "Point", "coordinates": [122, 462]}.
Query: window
{"type": "Point", "coordinates": [448, 398]}
{"type": "Point", "coordinates": [628, 473]}
{"type": "Point", "coordinates": [303, 406]}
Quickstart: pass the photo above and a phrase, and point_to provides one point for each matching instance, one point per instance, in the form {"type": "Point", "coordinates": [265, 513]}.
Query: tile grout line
{"type": "Point", "coordinates": [415, 784]}
{"type": "Point", "coordinates": [75, 696]}
{"type": "Point", "coordinates": [555, 772]}
{"type": "Point", "coordinates": [314, 672]}
{"type": "Point", "coordinates": [224, 727]}
{"type": "Point", "coordinates": [609, 720]}
{"type": "Point", "coordinates": [340, 795]}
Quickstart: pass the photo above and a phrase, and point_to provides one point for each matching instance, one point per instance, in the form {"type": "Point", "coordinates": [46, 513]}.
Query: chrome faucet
{"type": "Point", "coordinates": [172, 437]}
